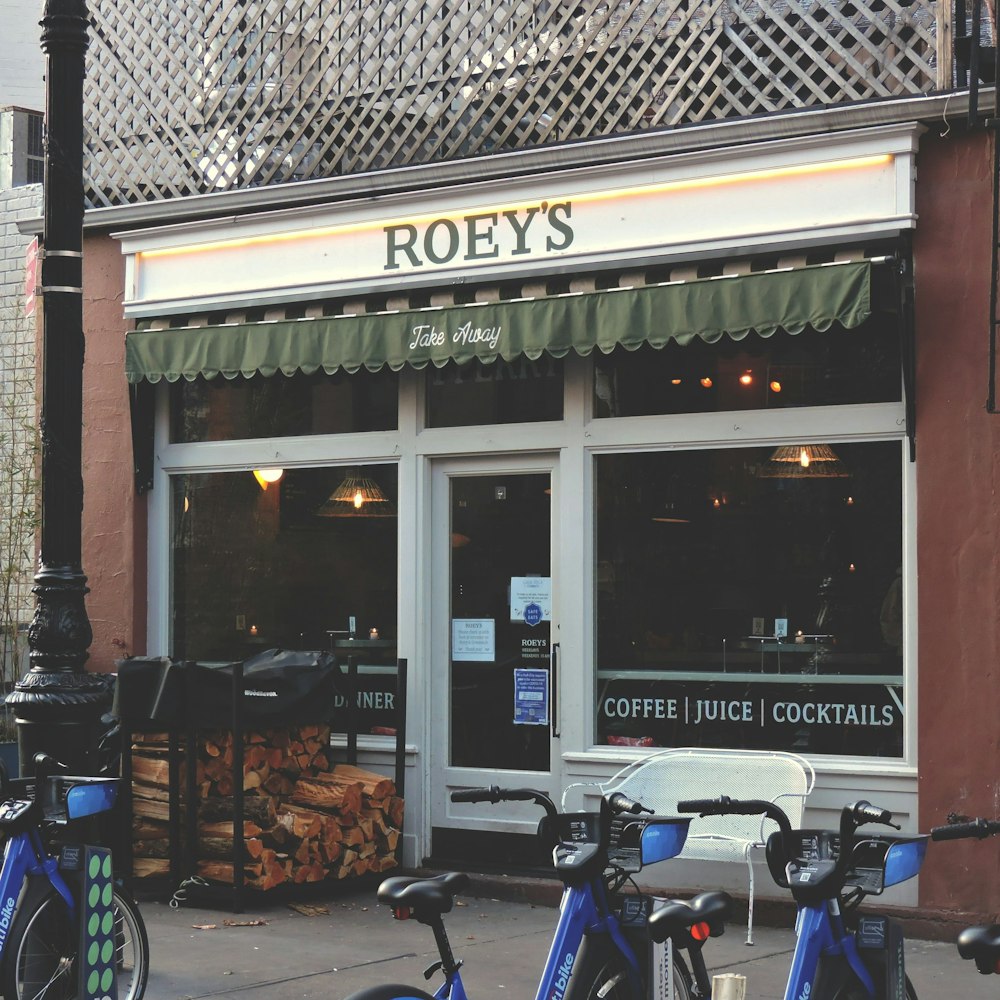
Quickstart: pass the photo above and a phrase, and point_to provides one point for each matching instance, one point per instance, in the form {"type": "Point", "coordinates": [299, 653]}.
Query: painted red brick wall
{"type": "Point", "coordinates": [114, 519]}
{"type": "Point", "coordinates": [958, 445]}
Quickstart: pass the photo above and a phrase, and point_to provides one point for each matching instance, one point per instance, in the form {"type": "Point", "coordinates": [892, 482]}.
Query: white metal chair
{"type": "Point", "coordinates": [661, 780]}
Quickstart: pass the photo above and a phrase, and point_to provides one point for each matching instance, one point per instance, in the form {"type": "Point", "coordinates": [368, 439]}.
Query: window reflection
{"type": "Point", "coordinates": [752, 598]}
{"type": "Point", "coordinates": [756, 373]}
{"type": "Point", "coordinates": [503, 392]}
{"type": "Point", "coordinates": [221, 409]}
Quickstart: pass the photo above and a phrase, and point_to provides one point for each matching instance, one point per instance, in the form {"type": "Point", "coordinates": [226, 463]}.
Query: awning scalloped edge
{"type": "Point", "coordinates": [732, 306]}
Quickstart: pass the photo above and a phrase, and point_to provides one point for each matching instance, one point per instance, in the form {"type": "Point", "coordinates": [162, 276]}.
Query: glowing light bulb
{"type": "Point", "coordinates": [706, 383]}
{"type": "Point", "coordinates": [775, 385]}
{"type": "Point", "coordinates": [359, 499]}
{"type": "Point", "coordinates": [267, 476]}
{"type": "Point", "coordinates": [675, 381]}
{"type": "Point", "coordinates": [746, 378]}
{"type": "Point", "coordinates": [804, 458]}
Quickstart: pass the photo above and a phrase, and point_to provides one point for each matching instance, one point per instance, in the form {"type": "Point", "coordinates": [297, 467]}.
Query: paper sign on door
{"type": "Point", "coordinates": [531, 599]}
{"type": "Point", "coordinates": [531, 697]}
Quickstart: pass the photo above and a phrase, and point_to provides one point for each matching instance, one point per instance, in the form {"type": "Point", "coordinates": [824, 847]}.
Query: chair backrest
{"type": "Point", "coordinates": [660, 781]}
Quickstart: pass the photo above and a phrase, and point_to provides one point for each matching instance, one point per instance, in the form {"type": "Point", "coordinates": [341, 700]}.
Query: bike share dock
{"type": "Point", "coordinates": [357, 944]}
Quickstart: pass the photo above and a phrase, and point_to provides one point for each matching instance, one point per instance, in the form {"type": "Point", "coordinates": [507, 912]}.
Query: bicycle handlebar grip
{"type": "Point", "coordinates": [708, 807]}
{"type": "Point", "coordinates": [47, 764]}
{"type": "Point", "coordinates": [491, 794]}
{"type": "Point", "coordinates": [725, 806]}
{"type": "Point", "coordinates": [620, 803]}
{"type": "Point", "coordinates": [865, 812]}
{"type": "Point", "coordinates": [978, 828]}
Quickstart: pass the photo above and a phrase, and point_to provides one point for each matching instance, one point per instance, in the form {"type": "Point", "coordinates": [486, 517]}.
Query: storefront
{"type": "Point", "coordinates": [618, 458]}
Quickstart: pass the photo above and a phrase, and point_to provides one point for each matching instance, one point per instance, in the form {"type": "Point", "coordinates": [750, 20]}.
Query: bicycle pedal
{"type": "Point", "coordinates": [431, 969]}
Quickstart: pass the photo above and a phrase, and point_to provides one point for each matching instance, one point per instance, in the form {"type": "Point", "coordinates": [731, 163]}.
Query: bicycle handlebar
{"type": "Point", "coordinates": [725, 806]}
{"type": "Point", "coordinates": [851, 817]}
{"type": "Point", "coordinates": [497, 794]}
{"type": "Point", "coordinates": [46, 765]}
{"type": "Point", "coordinates": [617, 802]}
{"type": "Point", "coordinates": [979, 828]}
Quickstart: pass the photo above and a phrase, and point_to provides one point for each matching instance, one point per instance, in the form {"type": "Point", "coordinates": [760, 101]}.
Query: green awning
{"type": "Point", "coordinates": [710, 308]}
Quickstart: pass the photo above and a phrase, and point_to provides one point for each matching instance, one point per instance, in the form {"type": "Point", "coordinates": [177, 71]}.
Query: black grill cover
{"type": "Point", "coordinates": [280, 686]}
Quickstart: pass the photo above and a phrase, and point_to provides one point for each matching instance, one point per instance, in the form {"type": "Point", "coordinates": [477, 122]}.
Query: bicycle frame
{"type": "Point", "coordinates": [25, 856]}
{"type": "Point", "coordinates": [583, 910]}
{"type": "Point", "coordinates": [819, 931]}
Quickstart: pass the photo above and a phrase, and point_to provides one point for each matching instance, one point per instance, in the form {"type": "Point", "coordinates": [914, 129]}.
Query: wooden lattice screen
{"type": "Point", "coordinates": [187, 96]}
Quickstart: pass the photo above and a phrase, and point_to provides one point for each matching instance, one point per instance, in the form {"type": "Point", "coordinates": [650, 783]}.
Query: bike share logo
{"type": "Point", "coordinates": [562, 977]}
{"type": "Point", "coordinates": [5, 917]}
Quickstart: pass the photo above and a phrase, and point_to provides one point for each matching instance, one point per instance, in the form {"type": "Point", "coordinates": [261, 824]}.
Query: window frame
{"type": "Point", "coordinates": [578, 438]}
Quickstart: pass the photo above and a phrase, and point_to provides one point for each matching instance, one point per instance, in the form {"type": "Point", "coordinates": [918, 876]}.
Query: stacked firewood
{"type": "Point", "coordinates": [303, 819]}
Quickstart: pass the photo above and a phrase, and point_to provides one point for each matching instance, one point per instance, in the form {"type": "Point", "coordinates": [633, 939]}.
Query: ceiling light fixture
{"type": "Point", "coordinates": [804, 461]}
{"type": "Point", "coordinates": [265, 477]}
{"type": "Point", "coordinates": [357, 496]}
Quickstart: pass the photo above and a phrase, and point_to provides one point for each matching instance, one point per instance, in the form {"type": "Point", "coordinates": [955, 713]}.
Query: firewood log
{"type": "Point", "coordinates": [222, 847]}
{"type": "Point", "coordinates": [151, 770]}
{"type": "Point", "coordinates": [373, 785]}
{"type": "Point", "coordinates": [150, 867]}
{"type": "Point", "coordinates": [258, 808]}
{"type": "Point", "coordinates": [225, 829]}
{"type": "Point", "coordinates": [222, 871]}
{"type": "Point", "coordinates": [151, 848]}
{"type": "Point", "coordinates": [328, 792]}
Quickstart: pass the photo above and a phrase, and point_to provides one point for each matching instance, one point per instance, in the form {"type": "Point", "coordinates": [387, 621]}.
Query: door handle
{"type": "Point", "coordinates": [554, 689]}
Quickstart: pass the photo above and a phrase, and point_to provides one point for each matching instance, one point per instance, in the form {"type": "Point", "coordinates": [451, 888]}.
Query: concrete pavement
{"type": "Point", "coordinates": [344, 943]}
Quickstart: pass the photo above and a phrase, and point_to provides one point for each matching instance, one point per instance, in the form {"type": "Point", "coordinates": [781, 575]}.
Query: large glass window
{"type": "Point", "coordinates": [751, 598]}
{"type": "Point", "coordinates": [221, 409]}
{"type": "Point", "coordinates": [756, 373]}
{"type": "Point", "coordinates": [256, 568]}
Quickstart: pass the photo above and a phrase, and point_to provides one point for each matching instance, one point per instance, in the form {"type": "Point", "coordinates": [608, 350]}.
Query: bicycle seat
{"type": "Point", "coordinates": [425, 896]}
{"type": "Point", "coordinates": [983, 945]}
{"type": "Point", "coordinates": [676, 915]}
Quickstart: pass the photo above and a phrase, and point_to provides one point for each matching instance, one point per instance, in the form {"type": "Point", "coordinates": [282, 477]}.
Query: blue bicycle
{"type": "Point", "coordinates": [981, 944]}
{"type": "Point", "coordinates": [839, 953]}
{"type": "Point", "coordinates": [606, 946]}
{"type": "Point", "coordinates": [41, 909]}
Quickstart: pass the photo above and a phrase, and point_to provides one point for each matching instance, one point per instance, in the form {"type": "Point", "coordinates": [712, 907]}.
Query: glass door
{"type": "Point", "coordinates": [496, 659]}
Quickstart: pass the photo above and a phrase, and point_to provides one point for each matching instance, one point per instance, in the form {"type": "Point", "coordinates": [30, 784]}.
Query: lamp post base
{"type": "Point", "coordinates": [57, 704]}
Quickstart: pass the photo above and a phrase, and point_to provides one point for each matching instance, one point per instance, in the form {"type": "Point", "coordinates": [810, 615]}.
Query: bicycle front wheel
{"type": "Point", "coordinates": [40, 956]}
{"type": "Point", "coordinates": [612, 981]}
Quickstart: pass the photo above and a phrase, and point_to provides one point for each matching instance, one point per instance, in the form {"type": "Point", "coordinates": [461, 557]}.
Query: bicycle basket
{"type": "Point", "coordinates": [880, 861]}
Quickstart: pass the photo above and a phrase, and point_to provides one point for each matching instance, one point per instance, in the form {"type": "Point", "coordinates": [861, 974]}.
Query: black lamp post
{"type": "Point", "coordinates": [57, 702]}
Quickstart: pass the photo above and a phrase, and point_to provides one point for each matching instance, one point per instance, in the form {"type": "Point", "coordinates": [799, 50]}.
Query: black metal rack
{"type": "Point", "coordinates": [161, 705]}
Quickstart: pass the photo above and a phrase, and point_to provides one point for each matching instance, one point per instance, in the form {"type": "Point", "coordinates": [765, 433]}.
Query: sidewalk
{"type": "Point", "coordinates": [356, 943]}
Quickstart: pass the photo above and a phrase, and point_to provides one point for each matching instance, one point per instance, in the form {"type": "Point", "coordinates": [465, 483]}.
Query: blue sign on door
{"type": "Point", "coordinates": [532, 614]}
{"type": "Point", "coordinates": [531, 697]}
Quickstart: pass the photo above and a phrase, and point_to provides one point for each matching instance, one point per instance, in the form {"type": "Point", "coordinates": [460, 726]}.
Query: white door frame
{"type": "Point", "coordinates": [513, 817]}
